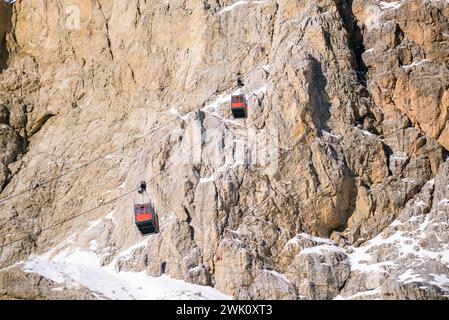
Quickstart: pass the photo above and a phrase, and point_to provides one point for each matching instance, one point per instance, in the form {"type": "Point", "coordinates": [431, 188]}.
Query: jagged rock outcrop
{"type": "Point", "coordinates": [355, 94]}
{"type": "Point", "coordinates": [26, 286]}
{"type": "Point", "coordinates": [408, 260]}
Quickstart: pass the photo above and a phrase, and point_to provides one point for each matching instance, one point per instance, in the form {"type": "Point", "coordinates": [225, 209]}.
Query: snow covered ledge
{"type": "Point", "coordinates": [82, 268]}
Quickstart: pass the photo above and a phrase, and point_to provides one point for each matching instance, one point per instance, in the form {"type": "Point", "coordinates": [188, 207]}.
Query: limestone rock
{"type": "Point", "coordinates": [16, 284]}
{"type": "Point", "coordinates": [351, 96]}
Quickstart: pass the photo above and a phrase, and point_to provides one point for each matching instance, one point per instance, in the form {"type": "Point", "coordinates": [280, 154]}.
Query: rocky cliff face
{"type": "Point", "coordinates": [354, 204]}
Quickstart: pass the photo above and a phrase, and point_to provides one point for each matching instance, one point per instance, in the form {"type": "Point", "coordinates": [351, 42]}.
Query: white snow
{"type": "Point", "coordinates": [359, 261]}
{"type": "Point", "coordinates": [237, 231]}
{"type": "Point", "coordinates": [232, 6]}
{"type": "Point", "coordinates": [239, 3]}
{"type": "Point", "coordinates": [420, 203]}
{"type": "Point", "coordinates": [208, 179]}
{"type": "Point", "coordinates": [43, 268]}
{"type": "Point", "coordinates": [402, 158]}
{"type": "Point", "coordinates": [126, 252]}
{"type": "Point", "coordinates": [410, 276]}
{"type": "Point", "coordinates": [316, 239]}
{"type": "Point", "coordinates": [223, 168]}
{"type": "Point", "coordinates": [262, 89]}
{"type": "Point", "coordinates": [362, 260]}
{"type": "Point", "coordinates": [395, 223]}
{"type": "Point", "coordinates": [293, 240]}
{"type": "Point", "coordinates": [168, 218]}
{"type": "Point", "coordinates": [175, 112]}
{"type": "Point", "coordinates": [122, 185]}
{"type": "Point", "coordinates": [94, 223]}
{"type": "Point", "coordinates": [212, 108]}
{"type": "Point", "coordinates": [197, 268]}
{"type": "Point", "coordinates": [359, 294]}
{"type": "Point", "coordinates": [58, 289]}
{"type": "Point", "coordinates": [367, 133]}
{"type": "Point", "coordinates": [440, 280]}
{"type": "Point", "coordinates": [327, 133]}
{"type": "Point", "coordinates": [390, 5]}
{"type": "Point", "coordinates": [110, 215]}
{"type": "Point", "coordinates": [323, 244]}
{"type": "Point", "coordinates": [424, 225]}
{"type": "Point", "coordinates": [373, 17]}
{"type": "Point", "coordinates": [416, 63]}
{"type": "Point", "coordinates": [84, 268]}
{"type": "Point", "coordinates": [266, 67]}
{"type": "Point", "coordinates": [320, 248]}
{"type": "Point", "coordinates": [93, 244]}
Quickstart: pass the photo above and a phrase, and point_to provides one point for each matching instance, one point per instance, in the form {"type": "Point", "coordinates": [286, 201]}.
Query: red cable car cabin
{"type": "Point", "coordinates": [239, 106]}
{"type": "Point", "coordinates": [146, 218]}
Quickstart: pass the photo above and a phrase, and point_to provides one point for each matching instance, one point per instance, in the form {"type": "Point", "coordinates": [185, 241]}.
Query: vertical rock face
{"type": "Point", "coordinates": [355, 92]}
{"type": "Point", "coordinates": [5, 27]}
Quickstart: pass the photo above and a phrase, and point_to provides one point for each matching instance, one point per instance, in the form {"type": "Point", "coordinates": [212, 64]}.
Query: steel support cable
{"type": "Point", "coordinates": [7, 198]}
{"type": "Point", "coordinates": [159, 140]}
{"type": "Point", "coordinates": [70, 171]}
{"type": "Point", "coordinates": [102, 204]}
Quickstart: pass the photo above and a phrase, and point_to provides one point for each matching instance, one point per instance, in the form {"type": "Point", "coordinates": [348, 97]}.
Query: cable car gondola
{"type": "Point", "coordinates": [239, 106]}
{"type": "Point", "coordinates": [145, 216]}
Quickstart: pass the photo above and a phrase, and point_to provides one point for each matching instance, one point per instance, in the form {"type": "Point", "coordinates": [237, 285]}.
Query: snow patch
{"type": "Point", "coordinates": [262, 89]}
{"type": "Point", "coordinates": [93, 245]}
{"type": "Point", "coordinates": [362, 257]}
{"type": "Point", "coordinates": [327, 133]}
{"type": "Point", "coordinates": [410, 276]}
{"type": "Point", "coordinates": [367, 133]}
{"type": "Point", "coordinates": [420, 203]}
{"type": "Point", "coordinates": [197, 268]}
{"type": "Point", "coordinates": [83, 268]}
{"type": "Point", "coordinates": [239, 3]}
{"type": "Point", "coordinates": [395, 223]}
{"type": "Point", "coordinates": [414, 64]}
{"type": "Point", "coordinates": [126, 252]}
{"type": "Point", "coordinates": [359, 294]}
{"type": "Point", "coordinates": [293, 240]}
{"type": "Point", "coordinates": [319, 249]}
{"type": "Point", "coordinates": [93, 224]}
{"type": "Point", "coordinates": [266, 67]}
{"type": "Point", "coordinates": [208, 179]}
{"type": "Point", "coordinates": [174, 111]}
{"type": "Point", "coordinates": [390, 5]}
{"type": "Point", "coordinates": [316, 239]}
{"type": "Point", "coordinates": [440, 280]}
{"type": "Point", "coordinates": [110, 215]}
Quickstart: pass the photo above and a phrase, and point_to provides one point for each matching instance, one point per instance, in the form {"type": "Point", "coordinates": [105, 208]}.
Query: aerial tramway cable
{"type": "Point", "coordinates": [56, 178]}
{"type": "Point", "coordinates": [12, 196]}
{"type": "Point", "coordinates": [105, 203]}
